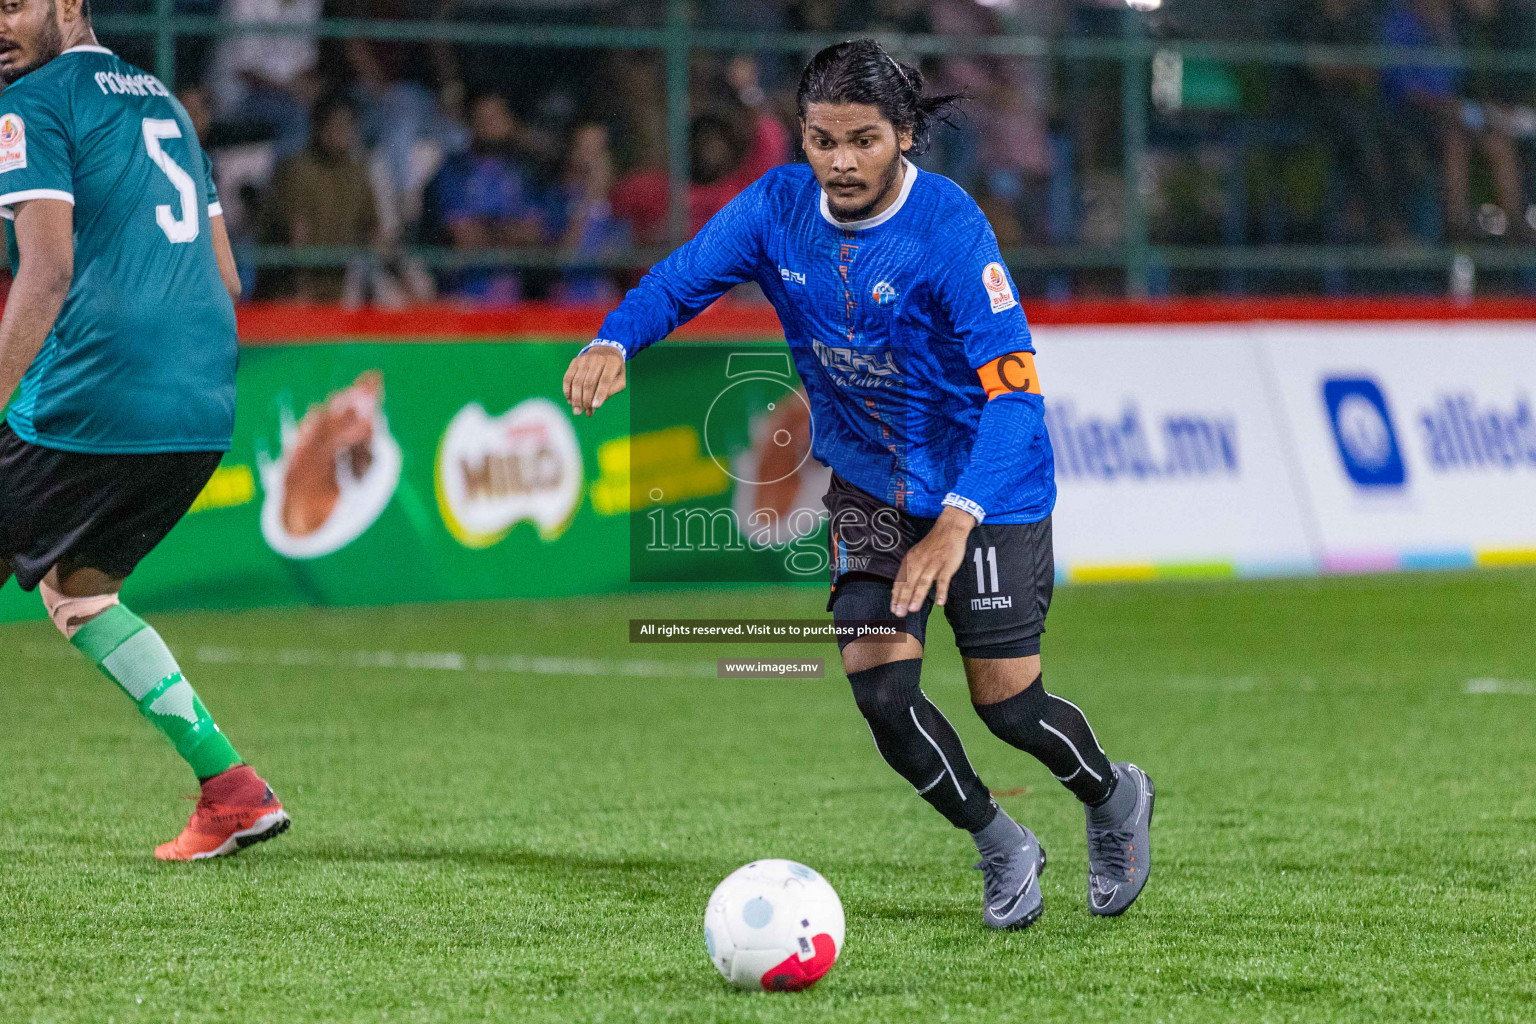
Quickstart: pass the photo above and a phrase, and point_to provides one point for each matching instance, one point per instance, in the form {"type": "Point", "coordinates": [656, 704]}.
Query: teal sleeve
{"type": "Point", "coordinates": [210, 190]}
{"type": "Point", "coordinates": [35, 151]}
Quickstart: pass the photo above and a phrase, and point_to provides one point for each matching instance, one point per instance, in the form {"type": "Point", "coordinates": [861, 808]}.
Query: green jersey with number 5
{"type": "Point", "coordinates": [142, 356]}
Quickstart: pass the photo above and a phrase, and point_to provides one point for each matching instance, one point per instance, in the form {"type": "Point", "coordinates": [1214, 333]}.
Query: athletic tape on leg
{"type": "Point", "coordinates": [70, 613]}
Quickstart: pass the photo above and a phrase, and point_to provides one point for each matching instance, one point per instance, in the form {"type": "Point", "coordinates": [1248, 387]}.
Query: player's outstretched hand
{"type": "Point", "coordinates": [593, 377]}
{"type": "Point", "coordinates": [931, 562]}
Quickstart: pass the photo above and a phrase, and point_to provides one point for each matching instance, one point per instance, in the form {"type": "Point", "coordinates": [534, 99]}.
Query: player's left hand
{"type": "Point", "coordinates": [594, 375]}
{"type": "Point", "coordinates": [931, 562]}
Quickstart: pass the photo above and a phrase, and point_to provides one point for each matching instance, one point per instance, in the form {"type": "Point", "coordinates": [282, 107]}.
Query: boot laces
{"type": "Point", "coordinates": [1109, 852]}
{"type": "Point", "coordinates": [995, 870]}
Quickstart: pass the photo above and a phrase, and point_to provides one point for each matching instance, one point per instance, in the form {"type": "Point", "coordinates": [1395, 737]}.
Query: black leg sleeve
{"type": "Point", "coordinates": [1054, 730]}
{"type": "Point", "coordinates": [917, 740]}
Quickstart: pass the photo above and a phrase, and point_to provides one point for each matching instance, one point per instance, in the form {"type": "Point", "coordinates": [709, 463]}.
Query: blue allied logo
{"type": "Point", "coordinates": [1362, 428]}
{"type": "Point", "coordinates": [884, 293]}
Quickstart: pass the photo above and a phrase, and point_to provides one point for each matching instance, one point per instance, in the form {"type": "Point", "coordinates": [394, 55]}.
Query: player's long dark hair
{"type": "Point", "coordinates": [861, 71]}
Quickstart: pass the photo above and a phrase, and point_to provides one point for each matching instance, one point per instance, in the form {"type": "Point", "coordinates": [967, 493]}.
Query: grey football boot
{"type": "Point", "coordinates": [1120, 851]}
{"type": "Point", "coordinates": [1011, 863]}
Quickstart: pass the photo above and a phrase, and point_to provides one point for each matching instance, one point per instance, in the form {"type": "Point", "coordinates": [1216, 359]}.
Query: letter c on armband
{"type": "Point", "coordinates": [1013, 373]}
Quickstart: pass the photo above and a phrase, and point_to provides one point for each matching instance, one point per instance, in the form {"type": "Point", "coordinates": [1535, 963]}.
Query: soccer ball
{"type": "Point", "coordinates": [773, 924]}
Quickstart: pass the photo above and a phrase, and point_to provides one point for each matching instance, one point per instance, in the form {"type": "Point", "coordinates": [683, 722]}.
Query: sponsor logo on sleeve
{"type": "Point", "coordinates": [1362, 428]}
{"type": "Point", "coordinates": [995, 280]}
{"type": "Point", "coordinates": [13, 143]}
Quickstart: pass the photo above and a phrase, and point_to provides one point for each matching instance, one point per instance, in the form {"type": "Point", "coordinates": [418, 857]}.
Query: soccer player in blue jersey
{"type": "Point", "coordinates": [904, 326]}
{"type": "Point", "coordinates": [117, 361]}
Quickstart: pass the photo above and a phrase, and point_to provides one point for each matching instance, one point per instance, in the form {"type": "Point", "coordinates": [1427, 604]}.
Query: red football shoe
{"type": "Point", "coordinates": [237, 809]}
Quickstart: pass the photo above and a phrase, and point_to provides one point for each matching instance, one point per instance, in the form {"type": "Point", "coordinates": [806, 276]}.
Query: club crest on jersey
{"type": "Point", "coordinates": [13, 143]}
{"type": "Point", "coordinates": [995, 280]}
{"type": "Point", "coordinates": [884, 293]}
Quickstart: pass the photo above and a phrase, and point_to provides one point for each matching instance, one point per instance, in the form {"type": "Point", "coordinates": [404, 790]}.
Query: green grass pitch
{"type": "Point", "coordinates": [1343, 832]}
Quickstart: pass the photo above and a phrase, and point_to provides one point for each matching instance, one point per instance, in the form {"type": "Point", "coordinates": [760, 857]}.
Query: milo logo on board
{"type": "Point", "coordinates": [495, 472]}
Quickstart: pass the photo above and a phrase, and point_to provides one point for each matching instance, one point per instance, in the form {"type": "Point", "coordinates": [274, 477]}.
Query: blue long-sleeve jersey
{"type": "Point", "coordinates": [904, 327]}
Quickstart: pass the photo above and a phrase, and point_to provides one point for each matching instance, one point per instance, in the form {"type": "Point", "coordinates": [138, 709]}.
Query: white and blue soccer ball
{"type": "Point", "coordinates": [774, 925]}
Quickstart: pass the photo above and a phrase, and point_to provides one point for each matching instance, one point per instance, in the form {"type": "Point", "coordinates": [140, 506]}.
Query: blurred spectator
{"type": "Point", "coordinates": [1434, 98]}
{"type": "Point", "coordinates": [743, 15]}
{"type": "Point", "coordinates": [322, 197]}
{"type": "Point", "coordinates": [1002, 147]}
{"type": "Point", "coordinates": [1505, 96]}
{"type": "Point", "coordinates": [483, 199]}
{"type": "Point", "coordinates": [1340, 105]}
{"type": "Point", "coordinates": [757, 16]}
{"type": "Point", "coordinates": [636, 86]}
{"type": "Point", "coordinates": [266, 77]}
{"type": "Point", "coordinates": [1498, 25]}
{"type": "Point", "coordinates": [582, 220]}
{"type": "Point", "coordinates": [825, 15]}
{"type": "Point", "coordinates": [400, 116]}
{"type": "Point", "coordinates": [579, 165]}
{"type": "Point", "coordinates": [730, 146]}
{"type": "Point", "coordinates": [900, 16]}
{"type": "Point", "coordinates": [199, 107]}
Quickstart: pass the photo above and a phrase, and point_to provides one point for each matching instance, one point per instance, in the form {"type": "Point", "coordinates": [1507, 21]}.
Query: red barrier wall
{"type": "Point", "coordinates": [284, 323]}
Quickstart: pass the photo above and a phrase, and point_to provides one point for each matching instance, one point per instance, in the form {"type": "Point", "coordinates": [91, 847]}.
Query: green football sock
{"type": "Point", "coordinates": [134, 657]}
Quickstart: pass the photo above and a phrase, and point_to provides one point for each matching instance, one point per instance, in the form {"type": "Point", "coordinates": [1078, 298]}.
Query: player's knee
{"type": "Point", "coordinates": [885, 692]}
{"type": "Point", "coordinates": [866, 654]}
{"type": "Point", "coordinates": [1013, 717]}
{"type": "Point", "coordinates": [996, 679]}
{"type": "Point", "coordinates": [70, 613]}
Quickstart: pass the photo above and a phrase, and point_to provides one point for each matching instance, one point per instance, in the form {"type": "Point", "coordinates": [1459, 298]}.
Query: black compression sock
{"type": "Point", "coordinates": [1054, 730]}
{"type": "Point", "coordinates": [917, 740]}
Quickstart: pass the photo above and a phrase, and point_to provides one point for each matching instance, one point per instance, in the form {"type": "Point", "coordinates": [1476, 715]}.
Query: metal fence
{"type": "Point", "coordinates": [1143, 263]}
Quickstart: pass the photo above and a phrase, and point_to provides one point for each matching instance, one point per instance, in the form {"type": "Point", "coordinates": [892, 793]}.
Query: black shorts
{"type": "Point", "coordinates": [997, 599]}
{"type": "Point", "coordinates": [101, 512]}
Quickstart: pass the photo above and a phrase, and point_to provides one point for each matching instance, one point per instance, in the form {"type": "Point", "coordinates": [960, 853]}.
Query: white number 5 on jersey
{"type": "Point", "coordinates": [177, 229]}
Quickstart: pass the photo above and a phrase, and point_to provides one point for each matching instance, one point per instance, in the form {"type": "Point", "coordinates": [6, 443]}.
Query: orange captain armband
{"type": "Point", "coordinates": [1014, 372]}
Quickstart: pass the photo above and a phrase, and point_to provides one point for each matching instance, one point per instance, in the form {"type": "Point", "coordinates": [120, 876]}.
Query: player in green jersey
{"type": "Point", "coordinates": [117, 361]}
